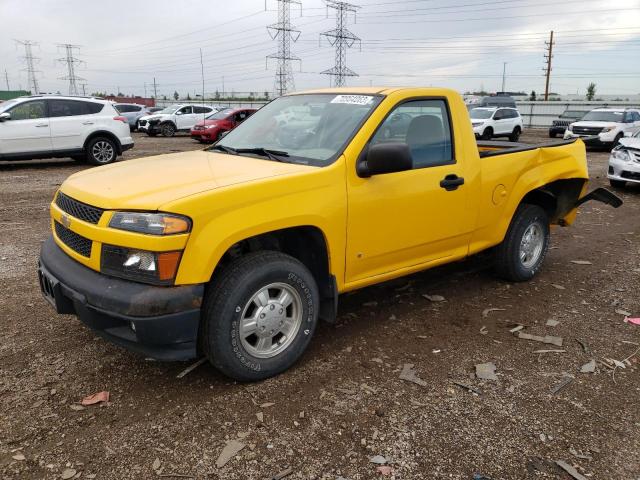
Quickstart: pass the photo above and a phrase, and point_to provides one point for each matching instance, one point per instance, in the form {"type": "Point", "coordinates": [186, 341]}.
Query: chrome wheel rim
{"type": "Point", "coordinates": [531, 245]}
{"type": "Point", "coordinates": [270, 320]}
{"type": "Point", "coordinates": [102, 151]}
{"type": "Point", "coordinates": [168, 130]}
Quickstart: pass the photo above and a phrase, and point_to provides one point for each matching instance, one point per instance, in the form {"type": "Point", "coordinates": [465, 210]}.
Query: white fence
{"type": "Point", "coordinates": [541, 114]}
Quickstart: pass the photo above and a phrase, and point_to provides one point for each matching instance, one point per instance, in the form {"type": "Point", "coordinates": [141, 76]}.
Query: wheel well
{"type": "Point", "coordinates": [556, 198]}
{"type": "Point", "coordinates": [103, 133]}
{"type": "Point", "coordinates": [164, 122]}
{"type": "Point", "coordinates": [305, 243]}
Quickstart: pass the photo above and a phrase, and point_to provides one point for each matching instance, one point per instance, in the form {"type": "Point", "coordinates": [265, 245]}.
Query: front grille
{"type": "Point", "coordinates": [587, 130]}
{"type": "Point", "coordinates": [630, 175]}
{"type": "Point", "coordinates": [71, 239]}
{"type": "Point", "coordinates": [561, 123]}
{"type": "Point", "coordinates": [142, 122]}
{"type": "Point", "coordinates": [636, 154]}
{"type": "Point", "coordinates": [78, 209]}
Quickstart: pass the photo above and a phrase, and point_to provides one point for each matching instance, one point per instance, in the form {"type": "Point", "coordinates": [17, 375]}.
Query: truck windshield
{"type": "Point", "coordinates": [480, 113]}
{"type": "Point", "coordinates": [309, 129]}
{"type": "Point", "coordinates": [600, 116]}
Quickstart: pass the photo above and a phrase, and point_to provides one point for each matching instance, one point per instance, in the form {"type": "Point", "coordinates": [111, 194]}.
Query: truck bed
{"type": "Point", "coordinates": [492, 148]}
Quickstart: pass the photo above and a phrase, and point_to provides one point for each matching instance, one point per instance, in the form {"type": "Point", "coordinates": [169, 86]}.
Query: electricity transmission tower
{"type": "Point", "coordinates": [30, 60]}
{"type": "Point", "coordinates": [71, 62]}
{"type": "Point", "coordinates": [284, 32]}
{"type": "Point", "coordinates": [547, 70]}
{"type": "Point", "coordinates": [342, 39]}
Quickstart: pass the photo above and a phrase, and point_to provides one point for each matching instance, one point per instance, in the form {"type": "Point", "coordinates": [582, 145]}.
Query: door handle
{"type": "Point", "coordinates": [451, 182]}
{"type": "Point", "coordinates": [87, 123]}
{"type": "Point", "coordinates": [40, 125]}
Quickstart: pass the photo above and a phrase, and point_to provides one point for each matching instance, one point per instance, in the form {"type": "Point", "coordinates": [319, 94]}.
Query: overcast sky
{"type": "Point", "coordinates": [460, 44]}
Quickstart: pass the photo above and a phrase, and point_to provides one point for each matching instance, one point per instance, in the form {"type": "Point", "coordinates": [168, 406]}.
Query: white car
{"type": "Point", "coordinates": [174, 118]}
{"type": "Point", "coordinates": [44, 126]}
{"type": "Point", "coordinates": [624, 162]}
{"type": "Point", "coordinates": [605, 126]}
{"type": "Point", "coordinates": [490, 122]}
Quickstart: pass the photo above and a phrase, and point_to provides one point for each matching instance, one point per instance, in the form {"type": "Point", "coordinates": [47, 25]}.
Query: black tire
{"type": "Point", "coordinates": [617, 183]}
{"type": "Point", "coordinates": [552, 135]}
{"type": "Point", "coordinates": [101, 151]}
{"type": "Point", "coordinates": [515, 135]}
{"type": "Point", "coordinates": [228, 299]}
{"type": "Point", "coordinates": [508, 262]}
{"type": "Point", "coordinates": [487, 134]}
{"type": "Point", "coordinates": [168, 129]}
{"type": "Point", "coordinates": [616, 141]}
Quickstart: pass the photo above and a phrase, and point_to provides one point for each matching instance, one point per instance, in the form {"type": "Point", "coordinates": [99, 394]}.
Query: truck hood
{"type": "Point", "coordinates": [148, 183]}
{"type": "Point", "coordinates": [594, 124]}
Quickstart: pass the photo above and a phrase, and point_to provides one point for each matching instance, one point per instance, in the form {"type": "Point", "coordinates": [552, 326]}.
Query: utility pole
{"type": "Point", "coordinates": [548, 56]}
{"type": "Point", "coordinates": [342, 39]}
{"type": "Point", "coordinates": [155, 89]}
{"type": "Point", "coordinates": [71, 62]}
{"type": "Point", "coordinates": [504, 73]}
{"type": "Point", "coordinates": [145, 89]}
{"type": "Point", "coordinates": [6, 77]}
{"type": "Point", "coordinates": [284, 32]}
{"type": "Point", "coordinates": [30, 60]}
{"type": "Point", "coordinates": [84, 89]}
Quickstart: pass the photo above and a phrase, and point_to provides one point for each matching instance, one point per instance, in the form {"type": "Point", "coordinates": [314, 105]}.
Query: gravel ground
{"type": "Point", "coordinates": [344, 403]}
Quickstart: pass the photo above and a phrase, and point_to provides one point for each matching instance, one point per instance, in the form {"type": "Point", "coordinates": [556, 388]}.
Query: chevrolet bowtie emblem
{"type": "Point", "coordinates": [65, 220]}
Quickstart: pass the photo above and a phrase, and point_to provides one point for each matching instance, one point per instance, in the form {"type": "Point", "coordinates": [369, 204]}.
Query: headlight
{"type": "Point", "coordinates": [570, 128]}
{"type": "Point", "coordinates": [157, 268]}
{"type": "Point", "coordinates": [150, 223]}
{"type": "Point", "coordinates": [607, 129]}
{"type": "Point", "coordinates": [623, 155]}
{"type": "Point", "coordinates": [477, 124]}
{"type": "Point", "coordinates": [210, 126]}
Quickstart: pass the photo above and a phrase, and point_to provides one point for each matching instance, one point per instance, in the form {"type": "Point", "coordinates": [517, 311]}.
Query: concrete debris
{"type": "Point", "coordinates": [230, 450]}
{"type": "Point", "coordinates": [581, 262]}
{"type": "Point", "coordinates": [19, 457]}
{"type": "Point", "coordinates": [267, 405]}
{"type": "Point", "coordinates": [487, 311]}
{"type": "Point", "coordinates": [434, 298]}
{"type": "Point", "coordinates": [550, 339]}
{"type": "Point", "coordinates": [156, 464]}
{"type": "Point", "coordinates": [589, 367]}
{"type": "Point", "coordinates": [68, 473]}
{"type": "Point", "coordinates": [552, 322]}
{"type": "Point", "coordinates": [516, 329]}
{"type": "Point", "coordinates": [558, 287]}
{"type": "Point", "coordinates": [486, 371]}
{"type": "Point", "coordinates": [570, 470]}
{"type": "Point", "coordinates": [619, 311]}
{"type": "Point", "coordinates": [260, 417]}
{"type": "Point", "coordinates": [409, 374]}
{"type": "Point", "coordinates": [191, 367]}
{"type": "Point", "coordinates": [378, 460]}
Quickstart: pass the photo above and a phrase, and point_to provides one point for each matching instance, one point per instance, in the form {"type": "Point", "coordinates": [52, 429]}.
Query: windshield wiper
{"type": "Point", "coordinates": [276, 155]}
{"type": "Point", "coordinates": [224, 149]}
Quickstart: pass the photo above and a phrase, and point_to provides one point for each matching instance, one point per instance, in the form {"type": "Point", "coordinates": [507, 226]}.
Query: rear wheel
{"type": "Point", "coordinates": [487, 134]}
{"type": "Point", "coordinates": [617, 183]}
{"type": "Point", "coordinates": [515, 135]}
{"type": "Point", "coordinates": [521, 254]}
{"type": "Point", "coordinates": [168, 129]}
{"type": "Point", "coordinates": [259, 315]}
{"type": "Point", "coordinates": [101, 151]}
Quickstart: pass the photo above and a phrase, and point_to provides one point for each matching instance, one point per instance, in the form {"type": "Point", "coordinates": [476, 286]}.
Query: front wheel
{"type": "Point", "coordinates": [487, 134]}
{"type": "Point", "coordinates": [515, 135]}
{"type": "Point", "coordinates": [167, 130]}
{"type": "Point", "coordinates": [617, 183]}
{"type": "Point", "coordinates": [259, 315]}
{"type": "Point", "coordinates": [101, 151]}
{"type": "Point", "coordinates": [521, 254]}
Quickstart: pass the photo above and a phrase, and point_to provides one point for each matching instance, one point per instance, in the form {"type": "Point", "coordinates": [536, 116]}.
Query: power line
{"type": "Point", "coordinates": [30, 61]}
{"type": "Point", "coordinates": [342, 39]}
{"type": "Point", "coordinates": [284, 32]}
{"type": "Point", "coordinates": [71, 62]}
{"type": "Point", "coordinates": [548, 56]}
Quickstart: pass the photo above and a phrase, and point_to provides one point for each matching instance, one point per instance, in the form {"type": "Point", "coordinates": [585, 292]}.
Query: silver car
{"type": "Point", "coordinates": [132, 112]}
{"type": "Point", "coordinates": [624, 162]}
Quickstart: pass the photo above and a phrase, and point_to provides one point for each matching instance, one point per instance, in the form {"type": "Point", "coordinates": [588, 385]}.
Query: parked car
{"type": "Point", "coordinates": [490, 122]}
{"type": "Point", "coordinates": [175, 118]}
{"type": "Point", "coordinates": [235, 252]}
{"type": "Point", "coordinates": [132, 112]}
{"type": "Point", "coordinates": [624, 162]}
{"type": "Point", "coordinates": [83, 128]}
{"type": "Point", "coordinates": [154, 109]}
{"type": "Point", "coordinates": [490, 101]}
{"type": "Point", "coordinates": [605, 126]}
{"type": "Point", "coordinates": [559, 126]}
{"type": "Point", "coordinates": [215, 125]}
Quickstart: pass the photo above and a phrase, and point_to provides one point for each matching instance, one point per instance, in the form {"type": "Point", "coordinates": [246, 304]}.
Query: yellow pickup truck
{"type": "Point", "coordinates": [236, 251]}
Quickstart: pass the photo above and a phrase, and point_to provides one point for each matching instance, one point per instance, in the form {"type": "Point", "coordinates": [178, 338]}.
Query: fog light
{"type": "Point", "coordinates": [159, 268]}
{"type": "Point", "coordinates": [133, 327]}
{"type": "Point", "coordinates": [141, 261]}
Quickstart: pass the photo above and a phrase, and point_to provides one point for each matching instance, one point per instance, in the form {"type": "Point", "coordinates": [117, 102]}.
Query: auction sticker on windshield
{"type": "Point", "coordinates": [353, 99]}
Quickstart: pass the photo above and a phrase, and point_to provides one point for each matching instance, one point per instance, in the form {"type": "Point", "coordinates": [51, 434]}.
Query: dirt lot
{"type": "Point", "coordinates": [344, 402]}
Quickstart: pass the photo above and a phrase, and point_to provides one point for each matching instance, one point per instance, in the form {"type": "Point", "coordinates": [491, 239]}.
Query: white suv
{"type": "Point", "coordinates": [83, 128]}
{"type": "Point", "coordinates": [489, 122]}
{"type": "Point", "coordinates": [175, 118]}
{"type": "Point", "coordinates": [605, 126]}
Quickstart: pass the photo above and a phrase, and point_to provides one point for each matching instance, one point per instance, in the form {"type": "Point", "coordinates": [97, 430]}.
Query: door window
{"type": "Point", "coordinates": [424, 125]}
{"type": "Point", "coordinates": [186, 110]}
{"type": "Point", "coordinates": [201, 110]}
{"type": "Point", "coordinates": [29, 110]}
{"type": "Point", "coordinates": [72, 108]}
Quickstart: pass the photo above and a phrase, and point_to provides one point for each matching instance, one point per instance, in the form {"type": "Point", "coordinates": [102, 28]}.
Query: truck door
{"type": "Point", "coordinates": [405, 219]}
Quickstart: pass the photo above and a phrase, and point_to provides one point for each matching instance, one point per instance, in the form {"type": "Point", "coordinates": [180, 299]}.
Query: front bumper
{"type": "Point", "coordinates": [557, 130]}
{"type": "Point", "coordinates": [600, 140]}
{"type": "Point", "coordinates": [158, 322]}
{"type": "Point", "coordinates": [623, 171]}
{"type": "Point", "coordinates": [150, 127]}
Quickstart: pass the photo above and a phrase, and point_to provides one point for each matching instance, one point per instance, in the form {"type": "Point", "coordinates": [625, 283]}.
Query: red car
{"type": "Point", "coordinates": [212, 128]}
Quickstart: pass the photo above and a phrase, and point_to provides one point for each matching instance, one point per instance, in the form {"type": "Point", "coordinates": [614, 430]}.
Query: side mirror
{"type": "Point", "coordinates": [5, 116]}
{"type": "Point", "coordinates": [178, 113]}
{"type": "Point", "coordinates": [384, 158]}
